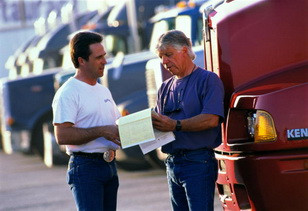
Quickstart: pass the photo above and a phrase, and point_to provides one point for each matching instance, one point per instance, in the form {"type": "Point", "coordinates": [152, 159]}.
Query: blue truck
{"type": "Point", "coordinates": [26, 110]}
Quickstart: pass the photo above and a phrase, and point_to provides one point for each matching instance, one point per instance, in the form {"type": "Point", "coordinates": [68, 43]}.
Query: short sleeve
{"type": "Point", "coordinates": [64, 108]}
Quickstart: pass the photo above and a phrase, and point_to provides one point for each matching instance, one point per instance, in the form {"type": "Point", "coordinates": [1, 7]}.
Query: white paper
{"type": "Point", "coordinates": [161, 138]}
{"type": "Point", "coordinates": [137, 129]}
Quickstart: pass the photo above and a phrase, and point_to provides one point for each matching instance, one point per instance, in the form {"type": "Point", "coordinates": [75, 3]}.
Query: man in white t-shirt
{"type": "Point", "coordinates": [84, 120]}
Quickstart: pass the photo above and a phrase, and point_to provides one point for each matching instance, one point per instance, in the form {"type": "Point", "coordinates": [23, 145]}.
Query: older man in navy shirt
{"type": "Point", "coordinates": [190, 103]}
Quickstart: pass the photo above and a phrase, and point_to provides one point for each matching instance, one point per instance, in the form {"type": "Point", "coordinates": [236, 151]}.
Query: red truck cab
{"type": "Point", "coordinates": [260, 51]}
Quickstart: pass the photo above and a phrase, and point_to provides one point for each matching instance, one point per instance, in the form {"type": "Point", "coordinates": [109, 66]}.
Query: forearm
{"type": "Point", "coordinates": [68, 135]}
{"type": "Point", "coordinates": [196, 123]}
{"type": "Point", "coordinates": [76, 136]}
{"type": "Point", "coordinates": [200, 122]}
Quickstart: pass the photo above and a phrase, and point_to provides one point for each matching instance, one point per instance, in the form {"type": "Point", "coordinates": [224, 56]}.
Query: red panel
{"type": "Point", "coordinates": [257, 40]}
{"type": "Point", "coordinates": [271, 181]}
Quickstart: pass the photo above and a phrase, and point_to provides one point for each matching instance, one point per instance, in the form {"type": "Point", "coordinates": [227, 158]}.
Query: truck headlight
{"type": "Point", "coordinates": [261, 126]}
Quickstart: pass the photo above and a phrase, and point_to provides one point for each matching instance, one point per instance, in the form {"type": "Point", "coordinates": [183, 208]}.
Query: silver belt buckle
{"type": "Point", "coordinates": [109, 155]}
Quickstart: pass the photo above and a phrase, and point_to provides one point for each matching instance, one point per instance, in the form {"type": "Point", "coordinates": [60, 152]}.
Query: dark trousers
{"type": "Point", "coordinates": [191, 178]}
{"type": "Point", "coordinates": [94, 183]}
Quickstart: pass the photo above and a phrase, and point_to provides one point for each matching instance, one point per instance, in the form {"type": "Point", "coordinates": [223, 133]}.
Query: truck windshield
{"type": "Point", "coordinates": [115, 44]}
{"type": "Point", "coordinates": [159, 28]}
{"type": "Point", "coordinates": [185, 24]}
{"type": "Point", "coordinates": [66, 61]}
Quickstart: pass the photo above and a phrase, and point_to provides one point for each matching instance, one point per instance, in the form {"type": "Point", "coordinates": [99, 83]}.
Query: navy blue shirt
{"type": "Point", "coordinates": [201, 92]}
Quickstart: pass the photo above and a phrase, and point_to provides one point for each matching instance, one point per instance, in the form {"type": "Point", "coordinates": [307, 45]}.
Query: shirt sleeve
{"type": "Point", "coordinates": [64, 108]}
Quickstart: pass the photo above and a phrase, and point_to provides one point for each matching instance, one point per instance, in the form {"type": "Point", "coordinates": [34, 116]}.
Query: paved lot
{"type": "Point", "coordinates": [26, 184]}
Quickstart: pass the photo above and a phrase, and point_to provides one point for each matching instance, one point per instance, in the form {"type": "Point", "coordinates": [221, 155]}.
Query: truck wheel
{"type": "Point", "coordinates": [53, 153]}
{"type": "Point", "coordinates": [37, 144]}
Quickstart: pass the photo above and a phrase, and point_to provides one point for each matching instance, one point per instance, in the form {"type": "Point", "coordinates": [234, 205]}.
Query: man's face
{"type": "Point", "coordinates": [173, 60]}
{"type": "Point", "coordinates": [96, 63]}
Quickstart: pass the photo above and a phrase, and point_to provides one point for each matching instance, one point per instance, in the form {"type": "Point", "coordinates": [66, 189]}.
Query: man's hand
{"type": "Point", "coordinates": [111, 133]}
{"type": "Point", "coordinates": [163, 123]}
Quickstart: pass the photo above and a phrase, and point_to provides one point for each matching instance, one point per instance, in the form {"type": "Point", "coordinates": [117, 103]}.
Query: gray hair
{"type": "Point", "coordinates": [176, 39]}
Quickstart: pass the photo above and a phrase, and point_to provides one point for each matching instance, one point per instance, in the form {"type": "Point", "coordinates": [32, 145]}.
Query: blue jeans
{"type": "Point", "coordinates": [191, 178]}
{"type": "Point", "coordinates": [94, 183]}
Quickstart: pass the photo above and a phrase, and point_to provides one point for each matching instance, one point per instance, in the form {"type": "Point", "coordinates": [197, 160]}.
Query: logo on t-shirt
{"type": "Point", "coordinates": [107, 100]}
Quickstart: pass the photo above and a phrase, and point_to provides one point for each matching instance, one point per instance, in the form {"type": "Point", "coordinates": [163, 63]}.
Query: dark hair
{"type": "Point", "coordinates": [79, 45]}
{"type": "Point", "coordinates": [176, 39]}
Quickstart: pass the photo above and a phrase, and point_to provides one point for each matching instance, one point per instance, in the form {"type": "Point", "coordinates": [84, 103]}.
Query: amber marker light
{"type": "Point", "coordinates": [264, 128]}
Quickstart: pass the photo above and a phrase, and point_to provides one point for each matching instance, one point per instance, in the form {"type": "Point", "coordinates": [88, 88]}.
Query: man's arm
{"type": "Point", "coordinates": [67, 134]}
{"type": "Point", "coordinates": [196, 123]}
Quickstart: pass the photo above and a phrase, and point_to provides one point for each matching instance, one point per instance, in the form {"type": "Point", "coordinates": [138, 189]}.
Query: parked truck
{"type": "Point", "coordinates": [259, 50]}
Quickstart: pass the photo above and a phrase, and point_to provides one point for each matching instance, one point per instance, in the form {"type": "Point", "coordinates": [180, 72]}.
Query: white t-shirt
{"type": "Point", "coordinates": [85, 106]}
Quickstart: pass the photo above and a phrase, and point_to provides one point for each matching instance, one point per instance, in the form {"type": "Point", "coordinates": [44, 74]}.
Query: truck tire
{"type": "Point", "coordinates": [37, 136]}
{"type": "Point", "coordinates": [53, 153]}
{"type": "Point", "coordinates": [37, 144]}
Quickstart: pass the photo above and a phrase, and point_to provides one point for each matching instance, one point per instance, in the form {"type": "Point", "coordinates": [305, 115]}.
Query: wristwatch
{"type": "Point", "coordinates": [178, 125]}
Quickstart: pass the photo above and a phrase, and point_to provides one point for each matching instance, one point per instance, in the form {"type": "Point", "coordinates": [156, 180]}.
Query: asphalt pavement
{"type": "Point", "coordinates": [27, 184]}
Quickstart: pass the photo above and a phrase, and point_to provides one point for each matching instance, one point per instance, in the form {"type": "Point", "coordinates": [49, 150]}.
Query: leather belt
{"type": "Point", "coordinates": [107, 156]}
